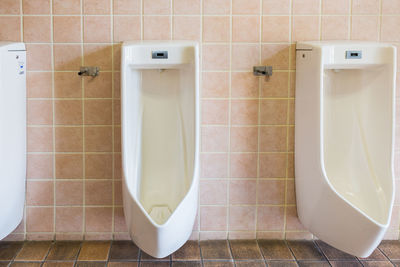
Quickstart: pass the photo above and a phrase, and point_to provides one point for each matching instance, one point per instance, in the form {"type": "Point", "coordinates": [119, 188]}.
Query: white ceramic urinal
{"type": "Point", "coordinates": [345, 94]}
{"type": "Point", "coordinates": [12, 135]}
{"type": "Point", "coordinates": [160, 143]}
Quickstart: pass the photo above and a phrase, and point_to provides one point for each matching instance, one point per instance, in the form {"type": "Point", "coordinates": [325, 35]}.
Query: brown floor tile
{"type": "Point", "coordinates": [154, 264]}
{"type": "Point", "coordinates": [305, 250]}
{"type": "Point", "coordinates": [58, 264]}
{"type": "Point", "coordinates": [245, 250]}
{"type": "Point", "coordinates": [377, 263]}
{"type": "Point", "coordinates": [275, 250]}
{"type": "Point", "coordinates": [215, 250]}
{"type": "Point", "coordinates": [282, 263]}
{"type": "Point", "coordinates": [25, 264]}
{"type": "Point", "coordinates": [34, 251]}
{"type": "Point", "coordinates": [91, 264]}
{"type": "Point", "coordinates": [8, 250]}
{"type": "Point", "coordinates": [146, 257]}
{"type": "Point", "coordinates": [218, 264]}
{"type": "Point", "coordinates": [377, 255]}
{"type": "Point", "coordinates": [345, 263]}
{"type": "Point", "coordinates": [190, 251]}
{"type": "Point", "coordinates": [4, 263]}
{"type": "Point", "coordinates": [94, 251]}
{"type": "Point", "coordinates": [124, 250]}
{"type": "Point", "coordinates": [250, 264]}
{"type": "Point", "coordinates": [123, 264]}
{"type": "Point", "coordinates": [313, 264]}
{"type": "Point", "coordinates": [332, 253]}
{"type": "Point", "coordinates": [396, 263]}
{"type": "Point", "coordinates": [64, 251]}
{"type": "Point", "coordinates": [186, 264]}
{"type": "Point", "coordinates": [391, 248]}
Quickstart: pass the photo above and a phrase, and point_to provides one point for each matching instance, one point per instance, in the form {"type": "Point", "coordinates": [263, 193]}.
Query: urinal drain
{"type": "Point", "coordinates": [160, 214]}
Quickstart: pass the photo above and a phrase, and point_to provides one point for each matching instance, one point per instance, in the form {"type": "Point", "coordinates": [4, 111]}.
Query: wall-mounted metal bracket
{"type": "Point", "coordinates": [89, 71]}
{"type": "Point", "coordinates": [262, 71]}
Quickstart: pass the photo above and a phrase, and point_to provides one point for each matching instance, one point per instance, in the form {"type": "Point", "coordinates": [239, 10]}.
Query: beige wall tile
{"type": "Point", "coordinates": [247, 131]}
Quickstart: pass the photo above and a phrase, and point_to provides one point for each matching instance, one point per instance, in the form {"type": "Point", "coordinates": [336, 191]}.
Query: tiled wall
{"type": "Point", "coordinates": [247, 178]}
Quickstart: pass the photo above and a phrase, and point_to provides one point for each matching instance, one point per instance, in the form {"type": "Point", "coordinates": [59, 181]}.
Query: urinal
{"type": "Point", "coordinates": [345, 93]}
{"type": "Point", "coordinates": [12, 135]}
{"type": "Point", "coordinates": [160, 143]}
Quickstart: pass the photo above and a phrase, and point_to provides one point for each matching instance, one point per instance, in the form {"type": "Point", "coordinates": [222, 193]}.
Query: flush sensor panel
{"type": "Point", "coordinates": [159, 54]}
{"type": "Point", "coordinates": [353, 54]}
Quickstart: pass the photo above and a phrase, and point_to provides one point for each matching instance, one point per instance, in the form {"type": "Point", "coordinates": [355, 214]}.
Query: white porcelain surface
{"type": "Point", "coordinates": [160, 143]}
{"type": "Point", "coordinates": [12, 135]}
{"type": "Point", "coordinates": [344, 142]}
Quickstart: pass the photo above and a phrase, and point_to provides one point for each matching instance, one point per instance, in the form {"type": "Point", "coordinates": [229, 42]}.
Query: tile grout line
{"type": "Point", "coordinates": [203, 205]}
{"type": "Point", "coordinates": [321, 251]}
{"type": "Point", "coordinates": [227, 227]}
{"type": "Point", "coordinates": [83, 129]}
{"type": "Point", "coordinates": [201, 253]}
{"type": "Point", "coordinates": [21, 15]}
{"type": "Point", "coordinates": [384, 254]}
{"type": "Point", "coordinates": [53, 119]}
{"type": "Point", "coordinates": [112, 127]}
{"type": "Point", "coordinates": [141, 20]}
{"type": "Point", "coordinates": [79, 252]}
{"type": "Point", "coordinates": [171, 14]}
{"type": "Point", "coordinates": [73, 153]}
{"type": "Point", "coordinates": [350, 34]}
{"type": "Point", "coordinates": [201, 73]}
{"type": "Point", "coordinates": [380, 21]}
{"type": "Point", "coordinates": [26, 128]}
{"type": "Point", "coordinates": [350, 18]}
{"type": "Point", "coordinates": [320, 20]}
{"type": "Point", "coordinates": [109, 250]}
{"type": "Point", "coordinates": [290, 249]}
{"type": "Point", "coordinates": [193, 15]}
{"type": "Point", "coordinates": [205, 42]}
{"type": "Point", "coordinates": [109, 98]}
{"type": "Point", "coordinates": [230, 251]}
{"type": "Point", "coordinates": [287, 123]}
{"type": "Point", "coordinates": [204, 153]}
{"type": "Point", "coordinates": [203, 125]}
{"type": "Point", "coordinates": [358, 260]}
{"type": "Point", "coordinates": [48, 251]}
{"type": "Point", "coordinates": [258, 118]}
{"type": "Point", "coordinates": [208, 179]}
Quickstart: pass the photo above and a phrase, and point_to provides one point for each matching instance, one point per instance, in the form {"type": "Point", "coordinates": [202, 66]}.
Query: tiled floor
{"type": "Point", "coordinates": [241, 253]}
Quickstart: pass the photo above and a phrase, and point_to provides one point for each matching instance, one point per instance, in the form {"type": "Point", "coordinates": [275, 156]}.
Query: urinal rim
{"type": "Point", "coordinates": [393, 119]}
{"type": "Point", "coordinates": [195, 177]}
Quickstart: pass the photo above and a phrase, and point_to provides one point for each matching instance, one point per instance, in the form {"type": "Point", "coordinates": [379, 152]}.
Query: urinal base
{"type": "Point", "coordinates": [11, 225]}
{"type": "Point", "coordinates": [156, 240]}
{"type": "Point", "coordinates": [339, 224]}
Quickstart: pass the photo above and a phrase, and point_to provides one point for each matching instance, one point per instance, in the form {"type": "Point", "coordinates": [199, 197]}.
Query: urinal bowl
{"type": "Point", "coordinates": [160, 143]}
{"type": "Point", "coordinates": [344, 142]}
{"type": "Point", "coordinates": [156, 240]}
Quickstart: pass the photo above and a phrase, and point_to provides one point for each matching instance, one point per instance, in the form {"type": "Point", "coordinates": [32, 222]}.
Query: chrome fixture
{"type": "Point", "coordinates": [262, 71]}
{"type": "Point", "coordinates": [89, 71]}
